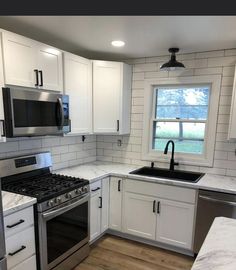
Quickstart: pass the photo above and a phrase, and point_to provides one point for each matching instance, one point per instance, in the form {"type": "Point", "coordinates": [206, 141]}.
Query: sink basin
{"type": "Point", "coordinates": [177, 175]}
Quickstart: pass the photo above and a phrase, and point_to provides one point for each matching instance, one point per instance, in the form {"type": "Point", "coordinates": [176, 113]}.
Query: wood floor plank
{"type": "Point", "coordinates": [114, 253]}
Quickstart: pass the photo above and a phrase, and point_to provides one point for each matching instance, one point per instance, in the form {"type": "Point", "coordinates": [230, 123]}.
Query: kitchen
{"type": "Point", "coordinates": [136, 148]}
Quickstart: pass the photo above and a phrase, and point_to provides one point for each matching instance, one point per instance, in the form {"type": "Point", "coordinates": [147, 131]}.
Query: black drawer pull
{"type": "Point", "coordinates": [100, 202]}
{"type": "Point", "coordinates": [119, 182]}
{"type": "Point", "coordinates": [158, 208]}
{"type": "Point", "coordinates": [17, 251]}
{"type": "Point", "coordinates": [95, 189]}
{"type": "Point", "coordinates": [15, 224]}
{"type": "Point", "coordinates": [41, 77]}
{"type": "Point", "coordinates": [37, 77]}
{"type": "Point", "coordinates": [154, 207]}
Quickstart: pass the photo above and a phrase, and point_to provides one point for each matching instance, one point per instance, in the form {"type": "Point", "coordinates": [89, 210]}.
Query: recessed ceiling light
{"type": "Point", "coordinates": [117, 43]}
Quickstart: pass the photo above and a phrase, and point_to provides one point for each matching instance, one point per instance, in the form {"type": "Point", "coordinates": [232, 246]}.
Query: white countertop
{"type": "Point", "coordinates": [218, 251]}
{"type": "Point", "coordinates": [97, 170]}
{"type": "Point", "coordinates": [14, 202]}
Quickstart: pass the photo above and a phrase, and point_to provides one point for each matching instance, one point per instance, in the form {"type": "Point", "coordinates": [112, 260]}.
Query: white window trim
{"type": "Point", "coordinates": [183, 158]}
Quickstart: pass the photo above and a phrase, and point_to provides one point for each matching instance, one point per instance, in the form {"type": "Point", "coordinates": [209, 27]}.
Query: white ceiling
{"type": "Point", "coordinates": [90, 36]}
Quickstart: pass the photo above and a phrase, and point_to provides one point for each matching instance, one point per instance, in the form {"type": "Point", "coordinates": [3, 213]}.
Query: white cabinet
{"type": "Point", "coordinates": [19, 60]}
{"type": "Point", "coordinates": [175, 223]}
{"type": "Point", "coordinates": [78, 85]}
{"type": "Point", "coordinates": [2, 135]}
{"type": "Point", "coordinates": [99, 205]}
{"type": "Point", "coordinates": [20, 240]}
{"type": "Point", "coordinates": [111, 97]}
{"type": "Point", "coordinates": [167, 217]}
{"type": "Point", "coordinates": [105, 205]}
{"type": "Point", "coordinates": [139, 215]}
{"type": "Point", "coordinates": [232, 120]}
{"type": "Point", "coordinates": [49, 63]}
{"type": "Point", "coordinates": [95, 214]}
{"type": "Point", "coordinates": [30, 63]}
{"type": "Point", "coordinates": [115, 203]}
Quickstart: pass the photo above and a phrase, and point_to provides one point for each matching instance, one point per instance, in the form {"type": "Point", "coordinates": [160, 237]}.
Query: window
{"type": "Point", "coordinates": [181, 114]}
{"type": "Point", "coordinates": [184, 110]}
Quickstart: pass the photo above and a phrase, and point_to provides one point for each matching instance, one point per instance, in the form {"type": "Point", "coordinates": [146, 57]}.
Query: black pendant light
{"type": "Point", "coordinates": [173, 64]}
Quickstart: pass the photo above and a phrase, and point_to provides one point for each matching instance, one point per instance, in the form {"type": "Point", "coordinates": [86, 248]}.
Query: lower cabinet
{"type": "Point", "coordinates": [99, 205]}
{"type": "Point", "coordinates": [175, 223]}
{"type": "Point", "coordinates": [139, 215]}
{"type": "Point", "coordinates": [161, 219]}
{"type": "Point", "coordinates": [116, 186]}
{"type": "Point", "coordinates": [20, 240]}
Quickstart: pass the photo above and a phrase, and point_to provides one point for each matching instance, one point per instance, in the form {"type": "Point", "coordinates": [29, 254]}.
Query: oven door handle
{"type": "Point", "coordinates": [68, 207]}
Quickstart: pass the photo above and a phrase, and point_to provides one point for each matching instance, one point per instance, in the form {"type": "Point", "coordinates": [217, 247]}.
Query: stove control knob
{"type": "Point", "coordinates": [51, 203]}
{"type": "Point", "coordinates": [69, 195]}
{"type": "Point", "coordinates": [58, 199]}
{"type": "Point", "coordinates": [85, 189]}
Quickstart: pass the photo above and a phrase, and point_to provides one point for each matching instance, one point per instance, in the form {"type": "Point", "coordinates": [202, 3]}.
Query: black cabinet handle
{"type": "Point", "coordinates": [154, 207]}
{"type": "Point", "coordinates": [118, 125]}
{"type": "Point", "coordinates": [15, 224]}
{"type": "Point", "coordinates": [100, 202]}
{"type": "Point", "coordinates": [3, 134]}
{"type": "Point", "coordinates": [37, 77]}
{"type": "Point", "coordinates": [158, 207]}
{"type": "Point", "coordinates": [41, 77]}
{"type": "Point", "coordinates": [95, 189]}
{"type": "Point", "coordinates": [17, 251]}
{"type": "Point", "coordinates": [119, 182]}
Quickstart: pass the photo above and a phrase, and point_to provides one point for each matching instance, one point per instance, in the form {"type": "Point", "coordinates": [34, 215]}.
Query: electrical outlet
{"type": "Point", "coordinates": [119, 143]}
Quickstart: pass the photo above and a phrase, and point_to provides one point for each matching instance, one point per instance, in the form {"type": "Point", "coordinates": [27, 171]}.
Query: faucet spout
{"type": "Point", "coordinates": [172, 161]}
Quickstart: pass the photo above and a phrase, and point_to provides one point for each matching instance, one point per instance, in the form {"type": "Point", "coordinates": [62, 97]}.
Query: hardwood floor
{"type": "Point", "coordinates": [114, 253]}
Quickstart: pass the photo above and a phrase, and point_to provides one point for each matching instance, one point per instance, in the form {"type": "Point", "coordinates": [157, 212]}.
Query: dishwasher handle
{"type": "Point", "coordinates": [206, 198]}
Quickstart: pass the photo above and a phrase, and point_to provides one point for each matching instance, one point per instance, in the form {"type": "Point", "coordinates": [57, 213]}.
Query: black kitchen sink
{"type": "Point", "coordinates": [178, 175]}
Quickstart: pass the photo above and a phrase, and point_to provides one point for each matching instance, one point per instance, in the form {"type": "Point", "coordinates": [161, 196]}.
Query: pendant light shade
{"type": "Point", "coordinates": [173, 64]}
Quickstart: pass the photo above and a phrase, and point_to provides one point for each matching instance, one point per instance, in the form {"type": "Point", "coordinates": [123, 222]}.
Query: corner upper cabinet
{"type": "Point", "coordinates": [78, 85]}
{"type": "Point", "coordinates": [232, 120]}
{"type": "Point", "coordinates": [29, 63]}
{"type": "Point", "coordinates": [111, 97]}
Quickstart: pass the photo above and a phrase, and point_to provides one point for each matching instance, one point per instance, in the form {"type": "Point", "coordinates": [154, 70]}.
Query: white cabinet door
{"type": "Point", "coordinates": [19, 60]}
{"type": "Point", "coordinates": [95, 215]}
{"type": "Point", "coordinates": [49, 63]}
{"type": "Point", "coordinates": [78, 85]}
{"type": "Point", "coordinates": [175, 223]}
{"type": "Point", "coordinates": [2, 136]}
{"type": "Point", "coordinates": [105, 205]}
{"type": "Point", "coordinates": [232, 120]}
{"type": "Point", "coordinates": [106, 96]}
{"type": "Point", "coordinates": [115, 203]}
{"type": "Point", "coordinates": [139, 215]}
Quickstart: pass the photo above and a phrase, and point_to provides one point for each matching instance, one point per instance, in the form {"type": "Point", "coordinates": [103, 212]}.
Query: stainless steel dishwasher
{"type": "Point", "coordinates": [211, 204]}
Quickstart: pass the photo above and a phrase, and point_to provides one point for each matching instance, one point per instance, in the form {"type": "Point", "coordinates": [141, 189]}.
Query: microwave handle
{"type": "Point", "coordinates": [61, 119]}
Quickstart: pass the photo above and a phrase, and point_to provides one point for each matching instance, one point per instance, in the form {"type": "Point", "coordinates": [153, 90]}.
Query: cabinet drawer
{"type": "Point", "coordinates": [29, 264]}
{"type": "Point", "coordinates": [162, 191]}
{"type": "Point", "coordinates": [18, 221]}
{"type": "Point", "coordinates": [94, 187]}
{"type": "Point", "coordinates": [24, 240]}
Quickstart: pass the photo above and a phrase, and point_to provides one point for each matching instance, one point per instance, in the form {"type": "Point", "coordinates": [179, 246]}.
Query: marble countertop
{"type": "Point", "coordinates": [98, 170]}
{"type": "Point", "coordinates": [218, 251]}
{"type": "Point", "coordinates": [14, 202]}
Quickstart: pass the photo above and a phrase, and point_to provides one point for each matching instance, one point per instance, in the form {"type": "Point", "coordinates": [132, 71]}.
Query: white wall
{"type": "Point", "coordinates": [214, 62]}
{"type": "Point", "coordinates": [66, 151]}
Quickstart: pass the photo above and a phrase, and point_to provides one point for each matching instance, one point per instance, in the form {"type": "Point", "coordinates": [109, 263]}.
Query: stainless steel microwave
{"type": "Point", "coordinates": [35, 113]}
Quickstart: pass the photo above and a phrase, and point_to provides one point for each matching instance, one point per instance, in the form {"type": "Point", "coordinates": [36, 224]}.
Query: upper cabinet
{"type": "Point", "coordinates": [78, 85]}
{"type": "Point", "coordinates": [111, 97]}
{"type": "Point", "coordinates": [29, 63]}
{"type": "Point", "coordinates": [2, 135]}
{"type": "Point", "coordinates": [232, 120]}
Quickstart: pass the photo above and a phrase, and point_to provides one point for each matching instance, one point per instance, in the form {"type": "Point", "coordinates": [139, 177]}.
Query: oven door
{"type": "Point", "coordinates": [62, 231]}
{"type": "Point", "coordinates": [34, 113]}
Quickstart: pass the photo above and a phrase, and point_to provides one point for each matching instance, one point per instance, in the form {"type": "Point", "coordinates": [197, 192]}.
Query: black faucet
{"type": "Point", "coordinates": [172, 161]}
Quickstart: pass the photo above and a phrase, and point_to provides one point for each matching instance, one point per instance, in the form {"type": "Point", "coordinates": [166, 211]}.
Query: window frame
{"type": "Point", "coordinates": [205, 159]}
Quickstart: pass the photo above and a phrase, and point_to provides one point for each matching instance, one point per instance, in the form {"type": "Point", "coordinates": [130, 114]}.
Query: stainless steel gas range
{"type": "Point", "coordinates": [61, 212]}
{"type": "Point", "coordinates": [3, 265]}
